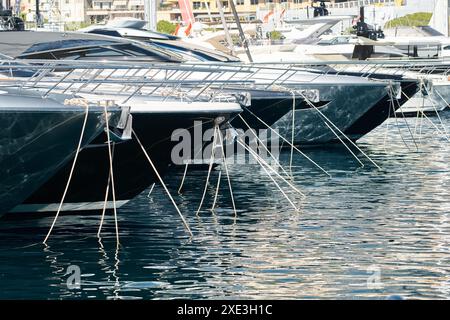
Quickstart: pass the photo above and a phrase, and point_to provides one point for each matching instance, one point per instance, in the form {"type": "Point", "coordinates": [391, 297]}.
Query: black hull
{"type": "Point", "coordinates": [269, 106]}
{"type": "Point", "coordinates": [132, 171]}
{"type": "Point", "coordinates": [39, 137]}
{"type": "Point", "coordinates": [381, 111]}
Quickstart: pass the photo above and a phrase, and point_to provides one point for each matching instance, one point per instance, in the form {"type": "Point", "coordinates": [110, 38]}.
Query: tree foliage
{"type": "Point", "coordinates": [417, 19]}
{"type": "Point", "coordinates": [167, 27]}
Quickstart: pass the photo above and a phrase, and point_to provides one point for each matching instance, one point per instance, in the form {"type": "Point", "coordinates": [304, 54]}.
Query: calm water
{"type": "Point", "coordinates": [362, 234]}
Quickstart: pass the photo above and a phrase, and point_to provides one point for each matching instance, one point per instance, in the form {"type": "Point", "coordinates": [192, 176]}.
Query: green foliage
{"type": "Point", "coordinates": [417, 19]}
{"type": "Point", "coordinates": [349, 31]}
{"type": "Point", "coordinates": [74, 26]}
{"type": "Point", "coordinates": [276, 35]}
{"type": "Point", "coordinates": [167, 27]}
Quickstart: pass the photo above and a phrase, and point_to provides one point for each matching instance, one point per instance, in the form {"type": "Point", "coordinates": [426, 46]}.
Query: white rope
{"type": "Point", "coordinates": [211, 162]}
{"type": "Point", "coordinates": [406, 122]}
{"type": "Point", "coordinates": [163, 184]}
{"type": "Point", "coordinates": [285, 140]}
{"type": "Point", "coordinates": [292, 130]}
{"type": "Point", "coordinates": [345, 145]}
{"type": "Point", "coordinates": [180, 188]}
{"type": "Point", "coordinates": [339, 130]}
{"type": "Point", "coordinates": [226, 171]}
{"type": "Point", "coordinates": [184, 177]}
{"type": "Point", "coordinates": [217, 191]}
{"type": "Point", "coordinates": [270, 176]}
{"type": "Point", "coordinates": [437, 113]}
{"type": "Point", "coordinates": [274, 171]}
{"type": "Point", "coordinates": [102, 219]}
{"type": "Point", "coordinates": [110, 179]}
{"type": "Point", "coordinates": [387, 128]}
{"type": "Point", "coordinates": [86, 116]}
{"type": "Point", "coordinates": [433, 124]}
{"type": "Point", "coordinates": [273, 157]}
{"type": "Point", "coordinates": [151, 190]}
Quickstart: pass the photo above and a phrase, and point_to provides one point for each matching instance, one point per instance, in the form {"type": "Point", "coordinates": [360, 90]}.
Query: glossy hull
{"type": "Point", "coordinates": [132, 171]}
{"type": "Point", "coordinates": [266, 107]}
{"type": "Point", "coordinates": [381, 111]}
{"type": "Point", "coordinates": [343, 104]}
{"type": "Point", "coordinates": [38, 137]}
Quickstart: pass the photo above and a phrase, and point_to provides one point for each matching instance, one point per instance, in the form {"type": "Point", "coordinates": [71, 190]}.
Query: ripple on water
{"type": "Point", "coordinates": [362, 234]}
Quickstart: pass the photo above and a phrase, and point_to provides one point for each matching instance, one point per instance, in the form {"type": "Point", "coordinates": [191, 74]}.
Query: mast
{"type": "Point", "coordinates": [150, 13]}
{"type": "Point", "coordinates": [225, 27]}
{"type": "Point", "coordinates": [241, 32]}
{"type": "Point", "coordinates": [38, 14]}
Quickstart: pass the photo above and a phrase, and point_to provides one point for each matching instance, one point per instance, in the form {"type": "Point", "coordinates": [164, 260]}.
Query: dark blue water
{"type": "Point", "coordinates": [364, 233]}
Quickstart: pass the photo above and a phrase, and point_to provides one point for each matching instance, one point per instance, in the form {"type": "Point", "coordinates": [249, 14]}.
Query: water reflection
{"type": "Point", "coordinates": [395, 220]}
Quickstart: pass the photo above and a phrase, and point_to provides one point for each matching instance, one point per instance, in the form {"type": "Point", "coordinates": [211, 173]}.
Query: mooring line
{"type": "Point", "coordinates": [285, 140]}
{"type": "Point", "coordinates": [183, 178]}
{"type": "Point", "coordinates": [113, 186]}
{"type": "Point", "coordinates": [387, 128]}
{"type": "Point", "coordinates": [180, 188]}
{"type": "Point", "coordinates": [86, 116]}
{"type": "Point", "coordinates": [274, 171]}
{"type": "Point", "coordinates": [217, 190]}
{"type": "Point", "coordinates": [270, 176]}
{"type": "Point", "coordinates": [163, 184]}
{"type": "Point", "coordinates": [406, 122]}
{"type": "Point", "coordinates": [292, 130]}
{"type": "Point", "coordinates": [105, 202]}
{"type": "Point", "coordinates": [396, 120]}
{"type": "Point", "coordinates": [226, 171]}
{"type": "Point", "coordinates": [271, 154]}
{"type": "Point", "coordinates": [339, 130]}
{"type": "Point", "coordinates": [445, 133]}
{"type": "Point", "coordinates": [151, 190]}
{"type": "Point", "coordinates": [211, 163]}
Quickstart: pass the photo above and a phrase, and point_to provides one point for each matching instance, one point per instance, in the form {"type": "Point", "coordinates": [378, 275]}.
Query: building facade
{"type": "Point", "coordinates": [98, 11]}
{"type": "Point", "coordinates": [101, 10]}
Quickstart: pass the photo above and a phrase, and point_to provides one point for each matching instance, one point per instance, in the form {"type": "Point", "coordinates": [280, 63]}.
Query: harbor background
{"type": "Point", "coordinates": [73, 14]}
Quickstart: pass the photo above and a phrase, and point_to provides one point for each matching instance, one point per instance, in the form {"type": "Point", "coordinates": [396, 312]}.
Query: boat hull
{"type": "Point", "coordinates": [343, 104]}
{"type": "Point", "coordinates": [39, 136]}
{"type": "Point", "coordinates": [266, 108]}
{"type": "Point", "coordinates": [381, 111]}
{"type": "Point", "coordinates": [132, 170]}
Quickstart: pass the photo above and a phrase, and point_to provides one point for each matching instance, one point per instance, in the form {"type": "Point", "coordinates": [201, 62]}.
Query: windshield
{"type": "Point", "coordinates": [110, 51]}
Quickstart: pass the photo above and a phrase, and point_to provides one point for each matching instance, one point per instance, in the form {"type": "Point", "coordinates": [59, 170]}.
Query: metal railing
{"type": "Point", "coordinates": [124, 79]}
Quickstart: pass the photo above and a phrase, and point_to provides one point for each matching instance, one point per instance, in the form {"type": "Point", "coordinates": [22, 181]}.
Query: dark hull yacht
{"type": "Point", "coordinates": [154, 120]}
{"type": "Point", "coordinates": [266, 104]}
{"type": "Point", "coordinates": [365, 115]}
{"type": "Point", "coordinates": [383, 110]}
{"type": "Point", "coordinates": [403, 88]}
{"type": "Point", "coordinates": [132, 170]}
{"type": "Point", "coordinates": [39, 136]}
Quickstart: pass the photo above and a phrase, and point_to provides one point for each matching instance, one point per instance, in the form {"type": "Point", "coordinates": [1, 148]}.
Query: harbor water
{"type": "Point", "coordinates": [362, 234]}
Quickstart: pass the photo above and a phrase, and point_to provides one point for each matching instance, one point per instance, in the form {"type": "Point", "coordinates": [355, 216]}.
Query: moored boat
{"type": "Point", "coordinates": [39, 136]}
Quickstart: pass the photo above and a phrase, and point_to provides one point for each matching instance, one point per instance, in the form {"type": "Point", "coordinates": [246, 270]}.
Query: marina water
{"type": "Point", "coordinates": [364, 233]}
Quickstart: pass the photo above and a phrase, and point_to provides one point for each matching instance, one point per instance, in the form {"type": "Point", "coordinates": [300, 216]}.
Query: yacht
{"type": "Point", "coordinates": [335, 98]}
{"type": "Point", "coordinates": [40, 136]}
{"type": "Point", "coordinates": [154, 117]}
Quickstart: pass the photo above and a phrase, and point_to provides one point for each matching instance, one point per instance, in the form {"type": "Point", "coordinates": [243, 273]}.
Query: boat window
{"type": "Point", "coordinates": [341, 40]}
{"type": "Point", "coordinates": [325, 42]}
{"type": "Point", "coordinates": [100, 52]}
{"type": "Point", "coordinates": [133, 50]}
{"type": "Point", "coordinates": [446, 48]}
{"type": "Point", "coordinates": [65, 44]}
{"type": "Point", "coordinates": [115, 52]}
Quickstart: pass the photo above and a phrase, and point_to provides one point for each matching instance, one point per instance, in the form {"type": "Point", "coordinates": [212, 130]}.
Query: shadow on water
{"type": "Point", "coordinates": [364, 233]}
